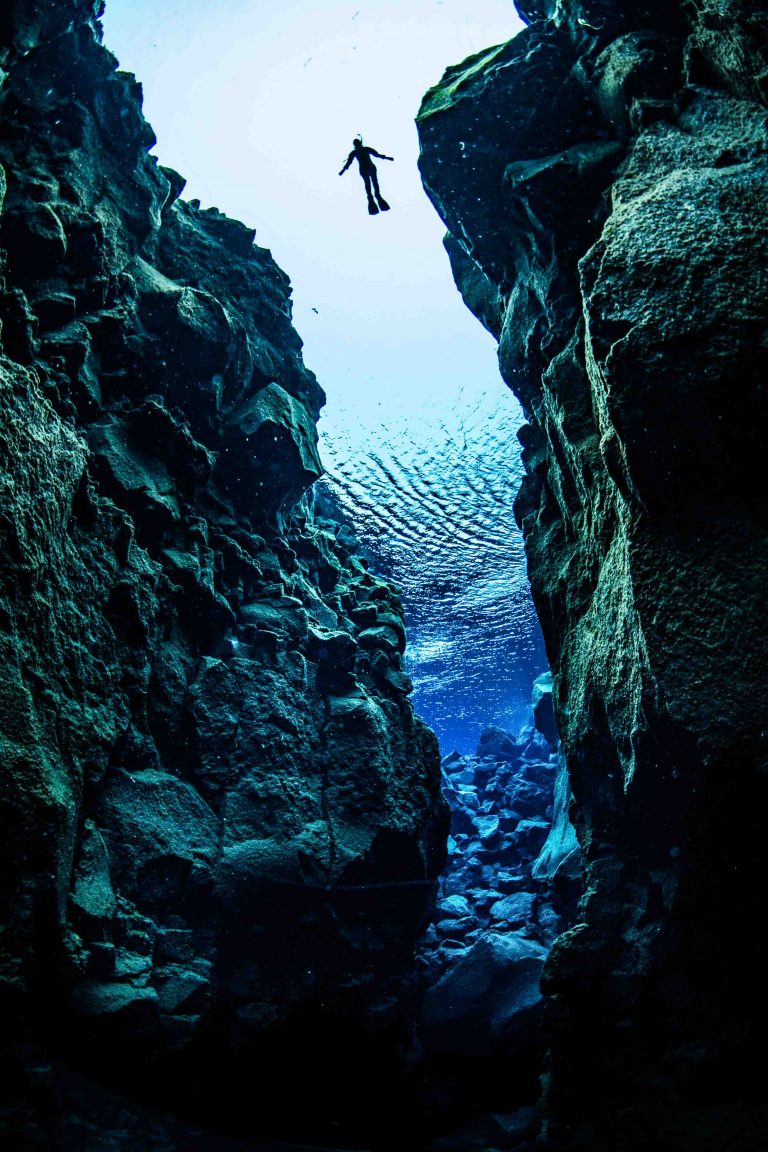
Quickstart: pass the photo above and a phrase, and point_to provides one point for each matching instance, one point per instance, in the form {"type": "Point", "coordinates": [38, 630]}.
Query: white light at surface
{"type": "Point", "coordinates": [256, 104]}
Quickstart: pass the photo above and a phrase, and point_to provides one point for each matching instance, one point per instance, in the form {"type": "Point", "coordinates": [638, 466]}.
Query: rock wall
{"type": "Point", "coordinates": [603, 180]}
{"type": "Point", "coordinates": [221, 819]}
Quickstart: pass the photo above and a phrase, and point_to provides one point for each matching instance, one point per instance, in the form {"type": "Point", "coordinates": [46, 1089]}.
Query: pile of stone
{"type": "Point", "coordinates": [508, 889]}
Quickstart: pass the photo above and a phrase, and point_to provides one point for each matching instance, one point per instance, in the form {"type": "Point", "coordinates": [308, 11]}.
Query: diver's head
{"type": "Point", "coordinates": [357, 142]}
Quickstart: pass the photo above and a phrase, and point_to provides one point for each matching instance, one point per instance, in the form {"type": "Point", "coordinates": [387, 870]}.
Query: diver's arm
{"type": "Point", "coordinates": [380, 155]}
{"type": "Point", "coordinates": [350, 158]}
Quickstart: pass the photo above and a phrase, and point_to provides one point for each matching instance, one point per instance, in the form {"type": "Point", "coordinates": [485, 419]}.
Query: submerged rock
{"type": "Point", "coordinates": [489, 1000]}
{"type": "Point", "coordinates": [213, 782]}
{"type": "Point", "coordinates": [603, 178]}
{"type": "Point", "coordinates": [496, 886]}
{"type": "Point", "coordinates": [498, 744]}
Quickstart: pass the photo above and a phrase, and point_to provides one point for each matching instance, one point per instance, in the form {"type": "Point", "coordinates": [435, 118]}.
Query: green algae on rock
{"type": "Point", "coordinates": [206, 758]}
{"type": "Point", "coordinates": [604, 192]}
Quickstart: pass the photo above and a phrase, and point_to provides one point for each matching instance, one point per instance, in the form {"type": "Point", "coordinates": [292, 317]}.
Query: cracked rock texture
{"type": "Point", "coordinates": [603, 180]}
{"type": "Point", "coordinates": [212, 779]}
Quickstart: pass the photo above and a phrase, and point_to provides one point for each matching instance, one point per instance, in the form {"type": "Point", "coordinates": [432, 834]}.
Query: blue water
{"type": "Point", "coordinates": [430, 492]}
{"type": "Point", "coordinates": [419, 431]}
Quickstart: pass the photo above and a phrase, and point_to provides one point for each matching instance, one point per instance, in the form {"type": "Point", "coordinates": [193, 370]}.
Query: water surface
{"type": "Point", "coordinates": [430, 490]}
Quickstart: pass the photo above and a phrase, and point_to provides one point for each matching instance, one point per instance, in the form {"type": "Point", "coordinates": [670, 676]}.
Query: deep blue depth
{"type": "Point", "coordinates": [430, 496]}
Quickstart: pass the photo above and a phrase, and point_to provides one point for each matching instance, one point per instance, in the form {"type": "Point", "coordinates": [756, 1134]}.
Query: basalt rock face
{"type": "Point", "coordinates": [603, 178]}
{"type": "Point", "coordinates": [212, 777]}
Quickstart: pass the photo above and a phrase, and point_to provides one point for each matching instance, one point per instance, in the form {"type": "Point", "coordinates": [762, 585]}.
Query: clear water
{"type": "Point", "coordinates": [430, 490]}
{"type": "Point", "coordinates": [419, 431]}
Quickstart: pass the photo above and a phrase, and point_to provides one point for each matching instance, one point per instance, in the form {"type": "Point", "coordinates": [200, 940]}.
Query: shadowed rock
{"type": "Point", "coordinates": [603, 180]}
{"type": "Point", "coordinates": [208, 764]}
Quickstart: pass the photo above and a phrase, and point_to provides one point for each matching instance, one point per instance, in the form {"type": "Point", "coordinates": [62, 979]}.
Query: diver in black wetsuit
{"type": "Point", "coordinates": [376, 201]}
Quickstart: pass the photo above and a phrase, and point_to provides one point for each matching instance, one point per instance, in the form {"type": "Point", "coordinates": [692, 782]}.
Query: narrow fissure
{"type": "Point", "coordinates": [301, 839]}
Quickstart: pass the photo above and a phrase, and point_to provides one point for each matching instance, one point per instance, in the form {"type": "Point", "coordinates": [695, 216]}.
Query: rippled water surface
{"type": "Point", "coordinates": [419, 431]}
{"type": "Point", "coordinates": [430, 491]}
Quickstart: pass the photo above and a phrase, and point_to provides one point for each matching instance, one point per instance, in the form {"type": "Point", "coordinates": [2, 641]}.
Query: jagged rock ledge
{"type": "Point", "coordinates": [212, 779]}
{"type": "Point", "coordinates": [603, 180]}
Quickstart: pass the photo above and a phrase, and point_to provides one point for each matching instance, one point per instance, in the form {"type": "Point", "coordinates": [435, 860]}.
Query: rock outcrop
{"type": "Point", "coordinates": [212, 777]}
{"type": "Point", "coordinates": [603, 180]}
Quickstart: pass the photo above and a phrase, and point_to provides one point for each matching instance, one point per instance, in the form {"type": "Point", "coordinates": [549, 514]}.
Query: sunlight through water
{"type": "Point", "coordinates": [256, 104]}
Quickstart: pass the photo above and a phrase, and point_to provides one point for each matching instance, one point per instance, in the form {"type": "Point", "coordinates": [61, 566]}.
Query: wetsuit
{"type": "Point", "coordinates": [369, 174]}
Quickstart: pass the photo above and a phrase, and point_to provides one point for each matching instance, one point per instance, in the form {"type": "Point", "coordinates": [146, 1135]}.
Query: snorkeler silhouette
{"type": "Point", "coordinates": [368, 173]}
